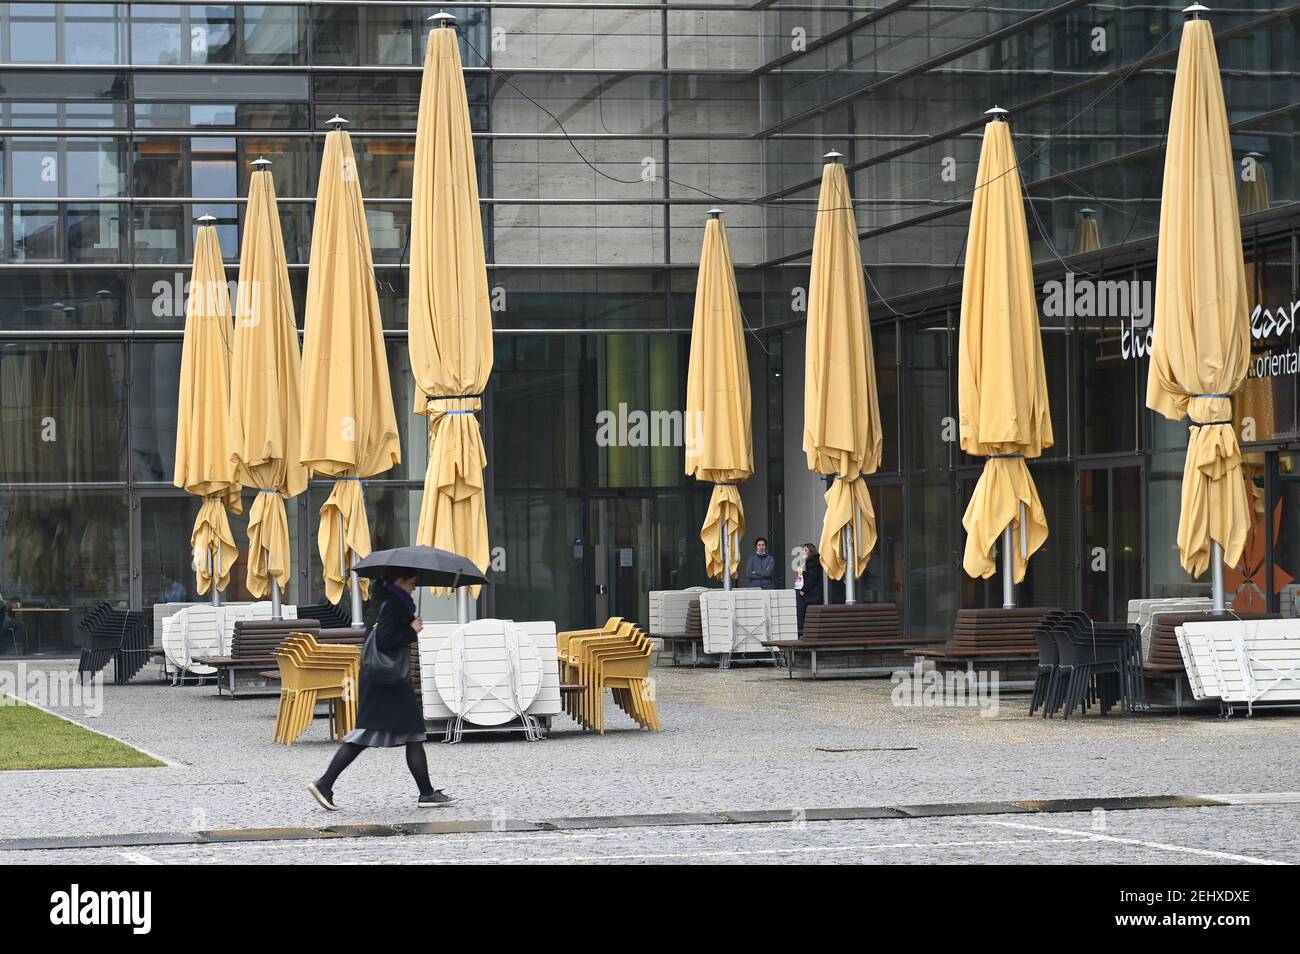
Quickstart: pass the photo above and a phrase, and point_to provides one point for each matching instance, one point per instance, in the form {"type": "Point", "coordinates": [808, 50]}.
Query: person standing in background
{"type": "Point", "coordinates": [760, 570]}
{"type": "Point", "coordinates": [811, 591]}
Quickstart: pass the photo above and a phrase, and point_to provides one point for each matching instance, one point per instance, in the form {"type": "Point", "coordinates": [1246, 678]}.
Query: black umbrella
{"type": "Point", "coordinates": [431, 567]}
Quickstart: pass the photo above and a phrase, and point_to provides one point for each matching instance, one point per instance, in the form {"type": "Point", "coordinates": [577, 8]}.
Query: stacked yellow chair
{"type": "Point", "coordinates": [615, 657]}
{"type": "Point", "coordinates": [312, 672]}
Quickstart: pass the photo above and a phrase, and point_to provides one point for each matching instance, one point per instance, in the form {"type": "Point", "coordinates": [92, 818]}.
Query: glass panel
{"type": "Point", "coordinates": [931, 408]}
{"type": "Point", "coordinates": [36, 233]}
{"type": "Point", "coordinates": [883, 582]}
{"type": "Point", "coordinates": [933, 558]}
{"type": "Point", "coordinates": [1096, 554]}
{"type": "Point", "coordinates": [49, 298]}
{"type": "Point", "coordinates": [544, 574]}
{"type": "Point", "coordinates": [62, 407]}
{"type": "Point", "coordinates": [64, 551]}
{"type": "Point", "coordinates": [1285, 529]}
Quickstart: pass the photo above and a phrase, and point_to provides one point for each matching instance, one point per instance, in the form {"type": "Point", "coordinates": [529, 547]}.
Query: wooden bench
{"type": "Point", "coordinates": [884, 656]}
{"type": "Point", "coordinates": [251, 645]}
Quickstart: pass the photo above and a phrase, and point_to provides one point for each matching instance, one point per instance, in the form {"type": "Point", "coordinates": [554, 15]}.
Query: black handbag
{"type": "Point", "coordinates": [383, 667]}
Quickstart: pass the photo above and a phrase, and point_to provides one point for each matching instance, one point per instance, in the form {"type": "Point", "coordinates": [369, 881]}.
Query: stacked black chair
{"type": "Point", "coordinates": [1083, 662]}
{"type": "Point", "coordinates": [120, 636]}
{"type": "Point", "coordinates": [327, 614]}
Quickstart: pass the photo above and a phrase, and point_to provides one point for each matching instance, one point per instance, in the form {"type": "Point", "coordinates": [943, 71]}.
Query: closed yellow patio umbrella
{"type": "Point", "coordinates": [349, 428]}
{"type": "Point", "coordinates": [719, 442]}
{"type": "Point", "coordinates": [842, 435]}
{"type": "Point", "coordinates": [1254, 190]}
{"type": "Point", "coordinates": [1087, 237]}
{"type": "Point", "coordinates": [450, 313]}
{"type": "Point", "coordinates": [265, 372]}
{"type": "Point", "coordinates": [1201, 347]}
{"type": "Point", "coordinates": [203, 444]}
{"type": "Point", "coordinates": [1001, 374]}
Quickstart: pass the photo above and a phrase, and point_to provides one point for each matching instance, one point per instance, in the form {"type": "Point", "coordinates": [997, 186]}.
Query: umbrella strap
{"type": "Point", "coordinates": [450, 413]}
{"type": "Point", "coordinates": [1006, 456]}
{"type": "Point", "coordinates": [1226, 397]}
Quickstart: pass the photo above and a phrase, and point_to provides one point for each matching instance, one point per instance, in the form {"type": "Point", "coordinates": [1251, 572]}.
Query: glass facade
{"type": "Point", "coordinates": [603, 134]}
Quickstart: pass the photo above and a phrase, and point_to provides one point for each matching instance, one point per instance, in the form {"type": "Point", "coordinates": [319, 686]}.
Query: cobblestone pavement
{"type": "Point", "coordinates": [747, 738]}
{"type": "Point", "coordinates": [1169, 836]}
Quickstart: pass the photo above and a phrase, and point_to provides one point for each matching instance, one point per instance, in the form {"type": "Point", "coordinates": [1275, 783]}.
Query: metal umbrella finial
{"type": "Point", "coordinates": [260, 162]}
{"type": "Point", "coordinates": [1194, 11]}
{"type": "Point", "coordinates": [833, 156]}
{"type": "Point", "coordinates": [1087, 212]}
{"type": "Point", "coordinates": [715, 213]}
{"type": "Point", "coordinates": [443, 18]}
{"type": "Point", "coordinates": [996, 113]}
{"type": "Point", "coordinates": [206, 219]}
{"type": "Point", "coordinates": [338, 122]}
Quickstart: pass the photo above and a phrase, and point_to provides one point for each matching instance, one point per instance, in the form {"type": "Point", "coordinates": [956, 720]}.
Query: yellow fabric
{"type": "Point", "coordinates": [203, 440]}
{"type": "Point", "coordinates": [1202, 326]}
{"type": "Point", "coordinates": [1254, 193]}
{"type": "Point", "coordinates": [842, 433]}
{"type": "Point", "coordinates": [265, 373]}
{"type": "Point", "coordinates": [343, 515]}
{"type": "Point", "coordinates": [213, 545]}
{"type": "Point", "coordinates": [1001, 375]}
{"type": "Point", "coordinates": [1087, 237]}
{"type": "Point", "coordinates": [450, 314]}
{"type": "Point", "coordinates": [719, 443]}
{"type": "Point", "coordinates": [349, 427]}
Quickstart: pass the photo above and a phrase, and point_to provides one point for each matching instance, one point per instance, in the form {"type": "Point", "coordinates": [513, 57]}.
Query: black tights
{"type": "Point", "coordinates": [416, 761]}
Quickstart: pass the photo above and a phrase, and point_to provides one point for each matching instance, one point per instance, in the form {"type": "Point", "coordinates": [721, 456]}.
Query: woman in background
{"type": "Point", "coordinates": [811, 591]}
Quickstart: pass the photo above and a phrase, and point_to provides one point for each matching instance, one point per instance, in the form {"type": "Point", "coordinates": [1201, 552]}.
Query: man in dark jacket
{"type": "Point", "coordinates": [761, 568]}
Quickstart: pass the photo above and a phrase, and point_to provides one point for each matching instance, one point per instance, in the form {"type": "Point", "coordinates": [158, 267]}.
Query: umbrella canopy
{"type": "Point", "coordinates": [450, 314]}
{"type": "Point", "coordinates": [265, 410]}
{"type": "Point", "coordinates": [349, 427]}
{"type": "Point", "coordinates": [1201, 346]}
{"type": "Point", "coordinates": [203, 443]}
{"type": "Point", "coordinates": [1001, 378]}
{"type": "Point", "coordinates": [1254, 191]}
{"type": "Point", "coordinates": [432, 567]}
{"type": "Point", "coordinates": [719, 443]}
{"type": "Point", "coordinates": [1087, 237]}
{"type": "Point", "coordinates": [842, 434]}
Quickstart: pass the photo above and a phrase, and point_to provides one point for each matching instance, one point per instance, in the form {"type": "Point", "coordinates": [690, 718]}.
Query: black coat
{"type": "Point", "coordinates": [812, 580]}
{"type": "Point", "coordinates": [391, 707]}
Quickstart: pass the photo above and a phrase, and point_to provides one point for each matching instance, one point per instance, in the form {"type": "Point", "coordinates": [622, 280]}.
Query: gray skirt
{"type": "Point", "coordinates": [381, 738]}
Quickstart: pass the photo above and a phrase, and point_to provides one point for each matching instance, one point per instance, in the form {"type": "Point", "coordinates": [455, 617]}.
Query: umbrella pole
{"type": "Point", "coordinates": [1216, 578]}
{"type": "Point", "coordinates": [726, 555]}
{"type": "Point", "coordinates": [1008, 568]}
{"type": "Point", "coordinates": [214, 564]}
{"type": "Point", "coordinates": [851, 560]}
{"type": "Point", "coordinates": [357, 622]}
{"type": "Point", "coordinates": [462, 605]}
{"type": "Point", "coordinates": [277, 608]}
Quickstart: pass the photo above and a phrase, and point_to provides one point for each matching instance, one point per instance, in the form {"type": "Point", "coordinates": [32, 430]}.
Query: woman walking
{"type": "Point", "coordinates": [389, 712]}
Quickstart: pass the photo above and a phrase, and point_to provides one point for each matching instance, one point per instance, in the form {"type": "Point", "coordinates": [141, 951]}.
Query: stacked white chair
{"type": "Point", "coordinates": [1142, 612]}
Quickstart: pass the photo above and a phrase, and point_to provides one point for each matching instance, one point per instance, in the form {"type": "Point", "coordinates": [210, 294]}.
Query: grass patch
{"type": "Point", "coordinates": [33, 739]}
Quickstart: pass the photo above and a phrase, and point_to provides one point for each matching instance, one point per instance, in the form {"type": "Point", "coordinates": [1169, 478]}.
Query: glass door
{"type": "Point", "coordinates": [1111, 538]}
{"type": "Point", "coordinates": [637, 543]}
